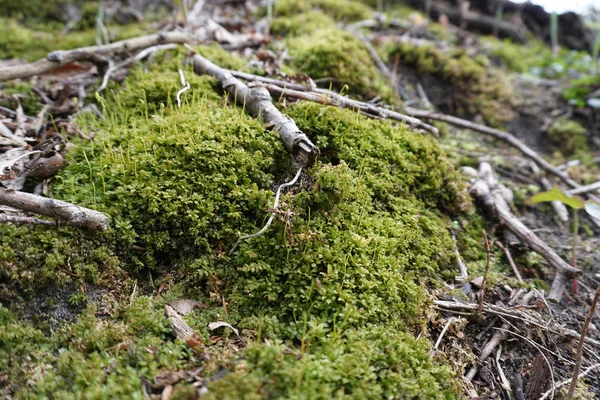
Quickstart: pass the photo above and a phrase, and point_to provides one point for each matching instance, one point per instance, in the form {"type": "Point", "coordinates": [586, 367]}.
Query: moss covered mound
{"type": "Point", "coordinates": [337, 59]}
{"type": "Point", "coordinates": [328, 298]}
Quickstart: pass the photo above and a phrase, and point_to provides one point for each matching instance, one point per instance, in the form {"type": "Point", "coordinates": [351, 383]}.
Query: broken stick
{"type": "Point", "coordinates": [259, 103]}
{"type": "Point", "coordinates": [92, 53]}
{"type": "Point", "coordinates": [67, 213]}
{"type": "Point", "coordinates": [493, 197]}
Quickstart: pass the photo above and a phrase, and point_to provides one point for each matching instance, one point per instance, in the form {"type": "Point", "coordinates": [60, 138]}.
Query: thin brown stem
{"type": "Point", "coordinates": [586, 325]}
{"type": "Point", "coordinates": [487, 268]}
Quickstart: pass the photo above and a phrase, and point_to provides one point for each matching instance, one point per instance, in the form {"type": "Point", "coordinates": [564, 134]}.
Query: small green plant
{"type": "Point", "coordinates": [556, 194]}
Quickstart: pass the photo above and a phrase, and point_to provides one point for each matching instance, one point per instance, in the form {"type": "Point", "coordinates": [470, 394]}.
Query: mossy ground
{"type": "Point", "coordinates": [330, 298]}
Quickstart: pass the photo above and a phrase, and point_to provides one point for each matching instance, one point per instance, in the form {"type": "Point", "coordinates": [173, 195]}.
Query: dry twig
{"type": "Point", "coordinates": [586, 325]}
{"type": "Point", "coordinates": [67, 213]}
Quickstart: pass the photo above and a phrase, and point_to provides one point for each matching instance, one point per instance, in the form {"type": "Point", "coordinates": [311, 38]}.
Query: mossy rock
{"type": "Point", "coordinates": [568, 135]}
{"type": "Point", "coordinates": [336, 286]}
{"type": "Point", "coordinates": [300, 24]}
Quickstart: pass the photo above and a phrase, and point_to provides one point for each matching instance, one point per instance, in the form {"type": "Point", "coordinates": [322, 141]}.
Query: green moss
{"type": "Point", "coordinates": [568, 135]}
{"type": "Point", "coordinates": [340, 277]}
{"type": "Point", "coordinates": [300, 24]}
{"type": "Point", "coordinates": [340, 60]}
{"type": "Point", "coordinates": [339, 10]}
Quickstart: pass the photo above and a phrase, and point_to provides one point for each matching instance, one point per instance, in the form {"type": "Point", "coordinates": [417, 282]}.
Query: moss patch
{"type": "Point", "coordinates": [337, 285]}
{"type": "Point", "coordinates": [569, 136]}
{"type": "Point", "coordinates": [339, 60]}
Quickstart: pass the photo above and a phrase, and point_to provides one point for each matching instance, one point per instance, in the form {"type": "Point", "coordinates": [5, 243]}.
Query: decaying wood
{"type": "Point", "coordinates": [258, 101]}
{"type": "Point", "coordinates": [493, 197]}
{"type": "Point", "coordinates": [504, 136]}
{"type": "Point", "coordinates": [66, 213]}
{"type": "Point", "coordinates": [93, 54]}
{"type": "Point", "coordinates": [181, 329]}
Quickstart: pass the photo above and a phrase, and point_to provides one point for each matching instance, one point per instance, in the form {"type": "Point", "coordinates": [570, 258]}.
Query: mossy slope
{"type": "Point", "coordinates": [330, 297]}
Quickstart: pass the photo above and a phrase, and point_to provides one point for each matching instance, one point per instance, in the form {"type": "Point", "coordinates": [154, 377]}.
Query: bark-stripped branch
{"type": "Point", "coordinates": [93, 54]}
{"type": "Point", "coordinates": [493, 197]}
{"type": "Point", "coordinates": [66, 213]}
{"type": "Point", "coordinates": [322, 96]}
{"type": "Point", "coordinates": [259, 103]}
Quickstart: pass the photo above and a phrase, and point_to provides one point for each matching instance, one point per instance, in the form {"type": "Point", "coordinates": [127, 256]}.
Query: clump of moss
{"type": "Point", "coordinates": [339, 10]}
{"type": "Point", "coordinates": [476, 87]}
{"type": "Point", "coordinates": [300, 24]}
{"type": "Point", "coordinates": [340, 277]}
{"type": "Point", "coordinates": [568, 135]}
{"type": "Point", "coordinates": [340, 60]}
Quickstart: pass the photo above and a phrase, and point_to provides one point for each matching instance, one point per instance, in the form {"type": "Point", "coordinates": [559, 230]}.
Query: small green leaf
{"type": "Point", "coordinates": [592, 209]}
{"type": "Point", "coordinates": [556, 194]}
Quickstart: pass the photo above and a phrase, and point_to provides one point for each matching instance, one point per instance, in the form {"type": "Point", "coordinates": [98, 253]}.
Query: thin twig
{"type": "Point", "coordinates": [275, 205]}
{"type": "Point", "coordinates": [138, 57]}
{"type": "Point", "coordinates": [487, 268]}
{"type": "Point", "coordinates": [510, 261]}
{"type": "Point", "coordinates": [439, 340]}
{"type": "Point", "coordinates": [462, 268]}
{"type": "Point", "coordinates": [91, 53]}
{"type": "Point", "coordinates": [586, 325]}
{"type": "Point", "coordinates": [186, 87]}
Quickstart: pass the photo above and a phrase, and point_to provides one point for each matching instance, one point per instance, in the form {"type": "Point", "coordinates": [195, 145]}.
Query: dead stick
{"type": "Point", "coordinates": [510, 261]}
{"type": "Point", "coordinates": [334, 99]}
{"type": "Point", "coordinates": [280, 88]}
{"type": "Point", "coordinates": [91, 53]}
{"type": "Point", "coordinates": [487, 268]}
{"type": "Point", "coordinates": [259, 103]}
{"type": "Point", "coordinates": [23, 219]}
{"type": "Point", "coordinates": [586, 325]}
{"type": "Point", "coordinates": [505, 136]}
{"type": "Point", "coordinates": [69, 214]}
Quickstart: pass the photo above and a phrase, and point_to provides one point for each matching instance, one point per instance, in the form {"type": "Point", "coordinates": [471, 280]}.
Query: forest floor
{"type": "Point", "coordinates": [402, 258]}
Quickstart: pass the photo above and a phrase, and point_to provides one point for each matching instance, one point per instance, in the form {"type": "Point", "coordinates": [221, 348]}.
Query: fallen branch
{"type": "Point", "coordinates": [259, 103]}
{"type": "Point", "coordinates": [25, 220]}
{"type": "Point", "coordinates": [67, 213]}
{"type": "Point", "coordinates": [494, 198]}
{"type": "Point", "coordinates": [297, 91]}
{"type": "Point", "coordinates": [138, 57]}
{"type": "Point", "coordinates": [505, 136]}
{"type": "Point", "coordinates": [92, 53]}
